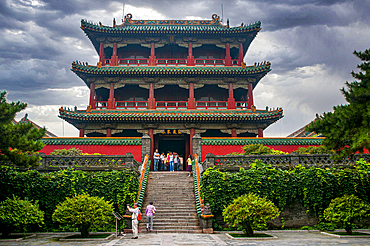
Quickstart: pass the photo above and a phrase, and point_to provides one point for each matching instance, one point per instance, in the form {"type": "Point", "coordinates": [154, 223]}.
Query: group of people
{"type": "Point", "coordinates": [170, 161]}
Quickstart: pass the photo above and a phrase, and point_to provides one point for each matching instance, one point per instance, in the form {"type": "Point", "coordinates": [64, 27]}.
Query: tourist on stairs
{"type": "Point", "coordinates": [149, 212]}
{"type": "Point", "coordinates": [135, 212]}
{"type": "Point", "coordinates": [170, 161]}
{"type": "Point", "coordinates": [190, 166]}
{"type": "Point", "coordinates": [156, 158]}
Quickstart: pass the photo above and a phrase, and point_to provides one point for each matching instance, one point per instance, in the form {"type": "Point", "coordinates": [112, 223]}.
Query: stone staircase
{"type": "Point", "coordinates": [172, 194]}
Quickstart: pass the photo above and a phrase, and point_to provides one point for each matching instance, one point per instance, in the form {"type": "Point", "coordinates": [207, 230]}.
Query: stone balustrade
{"type": "Point", "coordinates": [234, 162]}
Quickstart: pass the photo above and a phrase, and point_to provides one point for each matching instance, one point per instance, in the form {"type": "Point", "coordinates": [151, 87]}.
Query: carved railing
{"type": "Point", "coordinates": [143, 181]}
{"type": "Point", "coordinates": [211, 104]}
{"type": "Point", "coordinates": [171, 104]}
{"type": "Point", "coordinates": [281, 161]}
{"type": "Point", "coordinates": [50, 162]}
{"type": "Point", "coordinates": [196, 176]}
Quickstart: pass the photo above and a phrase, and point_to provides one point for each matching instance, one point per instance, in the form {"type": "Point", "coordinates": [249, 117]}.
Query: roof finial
{"type": "Point", "coordinates": [114, 22]}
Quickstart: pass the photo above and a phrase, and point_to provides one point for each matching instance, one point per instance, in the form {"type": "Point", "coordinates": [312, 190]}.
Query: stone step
{"type": "Point", "coordinates": [168, 224]}
{"type": "Point", "coordinates": [169, 227]}
{"type": "Point", "coordinates": [172, 220]}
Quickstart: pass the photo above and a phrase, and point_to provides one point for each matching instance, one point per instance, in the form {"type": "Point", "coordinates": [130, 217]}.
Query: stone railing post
{"type": "Point", "coordinates": [209, 161]}
{"type": "Point", "coordinates": [145, 146]}
{"type": "Point", "coordinates": [294, 159]}
{"type": "Point", "coordinates": [197, 147]}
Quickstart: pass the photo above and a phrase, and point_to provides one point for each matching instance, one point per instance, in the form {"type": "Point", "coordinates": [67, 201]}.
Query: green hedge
{"type": "Point", "coordinates": [120, 187]}
{"type": "Point", "coordinates": [313, 187]}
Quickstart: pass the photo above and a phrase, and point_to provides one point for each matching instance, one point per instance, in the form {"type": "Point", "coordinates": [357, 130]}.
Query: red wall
{"type": "Point", "coordinates": [227, 149]}
{"type": "Point", "coordinates": [101, 149]}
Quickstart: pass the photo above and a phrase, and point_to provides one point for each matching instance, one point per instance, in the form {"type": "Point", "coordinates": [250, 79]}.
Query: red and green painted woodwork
{"type": "Point", "coordinates": [171, 116]}
{"type": "Point", "coordinates": [223, 146]}
{"type": "Point", "coordinates": [104, 146]}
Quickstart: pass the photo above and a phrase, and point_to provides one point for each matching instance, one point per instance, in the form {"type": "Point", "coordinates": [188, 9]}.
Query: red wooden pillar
{"type": "Point", "coordinates": [250, 95]}
{"type": "Point", "coordinates": [101, 53]}
{"type": "Point", "coordinates": [111, 101]}
{"type": "Point", "coordinates": [151, 99]}
{"type": "Point", "coordinates": [152, 57]}
{"type": "Point", "coordinates": [114, 59]}
{"type": "Point", "coordinates": [192, 133]}
{"type": "Point", "coordinates": [190, 61]}
{"type": "Point", "coordinates": [150, 132]}
{"type": "Point", "coordinates": [233, 133]}
{"type": "Point", "coordinates": [231, 100]}
{"type": "Point", "coordinates": [241, 56]}
{"type": "Point", "coordinates": [92, 96]}
{"type": "Point", "coordinates": [260, 132]}
{"type": "Point", "coordinates": [109, 133]}
{"type": "Point", "coordinates": [82, 133]}
{"type": "Point", "coordinates": [191, 100]}
{"type": "Point", "coordinates": [228, 61]}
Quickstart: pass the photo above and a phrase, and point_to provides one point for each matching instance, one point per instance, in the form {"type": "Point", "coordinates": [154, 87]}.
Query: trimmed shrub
{"type": "Point", "coordinates": [250, 212]}
{"type": "Point", "coordinates": [18, 214]}
{"type": "Point", "coordinates": [314, 150]}
{"type": "Point", "coordinates": [82, 211]}
{"type": "Point", "coordinates": [345, 210]}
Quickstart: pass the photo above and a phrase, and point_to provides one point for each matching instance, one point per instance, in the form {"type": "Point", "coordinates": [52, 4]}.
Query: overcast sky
{"type": "Point", "coordinates": [308, 42]}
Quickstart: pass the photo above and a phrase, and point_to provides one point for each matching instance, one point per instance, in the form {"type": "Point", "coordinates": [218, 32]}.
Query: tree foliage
{"type": "Point", "coordinates": [18, 142]}
{"type": "Point", "coordinates": [249, 211]}
{"type": "Point", "coordinates": [17, 214]}
{"type": "Point", "coordinates": [314, 150]}
{"type": "Point", "coordinates": [347, 128]}
{"type": "Point", "coordinates": [82, 211]}
{"type": "Point", "coordinates": [345, 210]}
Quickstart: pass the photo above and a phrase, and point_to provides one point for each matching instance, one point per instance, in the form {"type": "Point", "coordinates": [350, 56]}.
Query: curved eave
{"type": "Point", "coordinates": [171, 116]}
{"type": "Point", "coordinates": [160, 30]}
{"type": "Point", "coordinates": [92, 71]}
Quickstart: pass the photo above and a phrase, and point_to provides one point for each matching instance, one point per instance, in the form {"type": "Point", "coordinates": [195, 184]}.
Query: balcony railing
{"type": "Point", "coordinates": [241, 104]}
{"type": "Point", "coordinates": [211, 104]}
{"type": "Point", "coordinates": [133, 62]}
{"type": "Point", "coordinates": [131, 104]}
{"type": "Point", "coordinates": [171, 104]}
{"type": "Point", "coordinates": [101, 104]}
{"type": "Point", "coordinates": [209, 62]}
{"type": "Point", "coordinates": [171, 62]}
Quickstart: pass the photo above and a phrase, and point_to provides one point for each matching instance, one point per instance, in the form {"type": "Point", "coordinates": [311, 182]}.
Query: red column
{"type": "Point", "coordinates": [114, 59]}
{"type": "Point", "coordinates": [250, 95]}
{"type": "Point", "coordinates": [228, 57]}
{"type": "Point", "coordinates": [191, 100]}
{"type": "Point", "coordinates": [231, 100]}
{"type": "Point", "coordinates": [190, 61]}
{"type": "Point", "coordinates": [152, 58]}
{"type": "Point", "coordinates": [92, 95]}
{"type": "Point", "coordinates": [233, 133]}
{"type": "Point", "coordinates": [111, 101]}
{"type": "Point", "coordinates": [241, 56]}
{"type": "Point", "coordinates": [82, 133]}
{"type": "Point", "coordinates": [260, 132]}
{"type": "Point", "coordinates": [151, 99]}
{"type": "Point", "coordinates": [192, 133]}
{"type": "Point", "coordinates": [109, 133]}
{"type": "Point", "coordinates": [101, 53]}
{"type": "Point", "coordinates": [150, 132]}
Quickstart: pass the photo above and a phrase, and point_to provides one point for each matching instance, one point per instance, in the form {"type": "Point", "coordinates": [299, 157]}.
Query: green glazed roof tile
{"type": "Point", "coordinates": [264, 141]}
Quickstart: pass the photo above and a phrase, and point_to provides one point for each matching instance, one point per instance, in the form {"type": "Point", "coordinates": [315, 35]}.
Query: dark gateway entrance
{"type": "Point", "coordinates": [174, 143]}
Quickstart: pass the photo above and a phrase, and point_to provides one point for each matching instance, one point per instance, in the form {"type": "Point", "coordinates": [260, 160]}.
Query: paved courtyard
{"type": "Point", "coordinates": [291, 238]}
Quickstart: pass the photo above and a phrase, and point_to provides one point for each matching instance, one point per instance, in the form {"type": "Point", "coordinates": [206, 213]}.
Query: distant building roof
{"type": "Point", "coordinates": [26, 120]}
{"type": "Point", "coordinates": [302, 133]}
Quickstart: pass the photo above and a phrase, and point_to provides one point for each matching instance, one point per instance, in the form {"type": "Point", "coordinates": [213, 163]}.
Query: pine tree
{"type": "Point", "coordinates": [347, 128]}
{"type": "Point", "coordinates": [18, 142]}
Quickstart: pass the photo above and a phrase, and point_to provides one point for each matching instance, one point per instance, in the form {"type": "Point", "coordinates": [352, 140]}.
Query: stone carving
{"type": "Point", "coordinates": [207, 209]}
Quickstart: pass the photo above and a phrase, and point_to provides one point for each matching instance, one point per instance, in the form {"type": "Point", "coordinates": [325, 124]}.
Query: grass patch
{"type": "Point", "coordinates": [78, 236]}
{"type": "Point", "coordinates": [355, 233]}
{"type": "Point", "coordinates": [238, 235]}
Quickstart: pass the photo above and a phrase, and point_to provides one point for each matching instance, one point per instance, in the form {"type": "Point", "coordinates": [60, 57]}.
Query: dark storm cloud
{"type": "Point", "coordinates": [309, 43]}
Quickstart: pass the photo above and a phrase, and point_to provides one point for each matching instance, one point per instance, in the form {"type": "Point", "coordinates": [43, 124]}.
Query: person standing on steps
{"type": "Point", "coordinates": [161, 164]}
{"type": "Point", "coordinates": [176, 161]}
{"type": "Point", "coordinates": [190, 166]}
{"type": "Point", "coordinates": [170, 161]}
{"type": "Point", "coordinates": [135, 222]}
{"type": "Point", "coordinates": [156, 159]}
{"type": "Point", "coordinates": [149, 212]}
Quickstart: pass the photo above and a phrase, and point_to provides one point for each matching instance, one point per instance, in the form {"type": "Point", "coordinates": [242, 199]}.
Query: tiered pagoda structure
{"type": "Point", "coordinates": [171, 80]}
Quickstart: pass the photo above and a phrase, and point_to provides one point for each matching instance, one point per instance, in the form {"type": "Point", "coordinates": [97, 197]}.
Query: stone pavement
{"type": "Point", "coordinates": [285, 238]}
